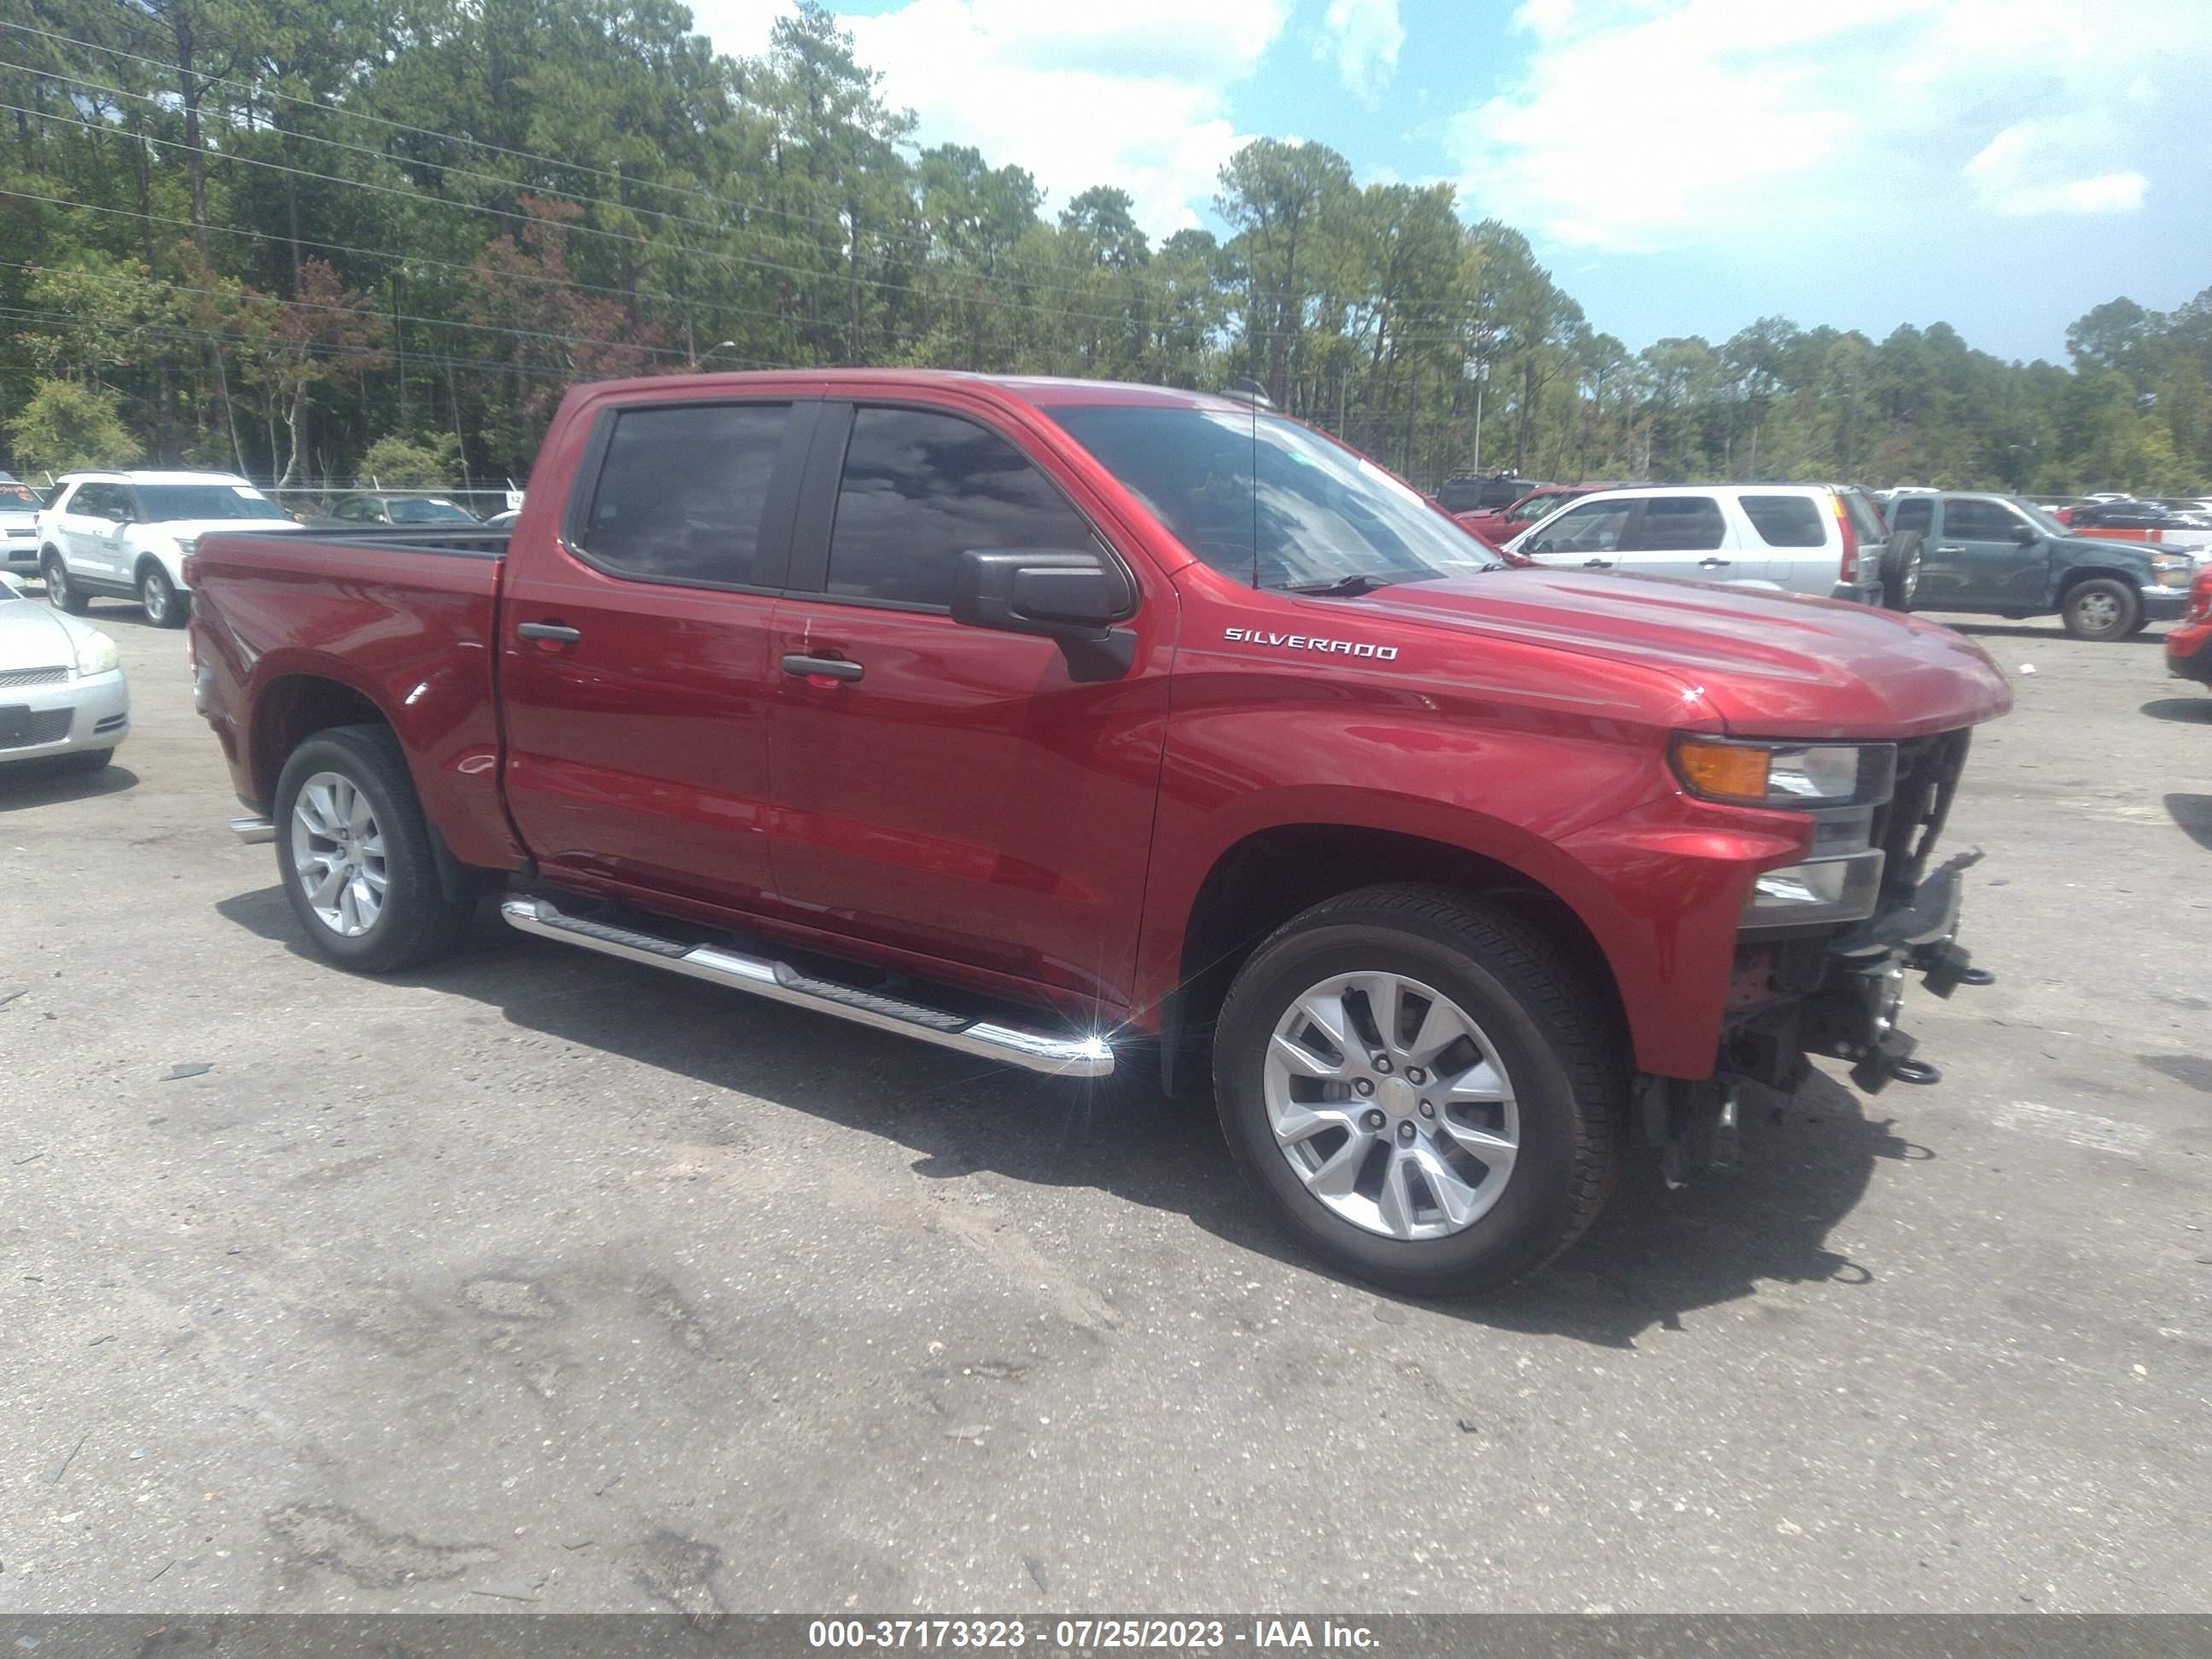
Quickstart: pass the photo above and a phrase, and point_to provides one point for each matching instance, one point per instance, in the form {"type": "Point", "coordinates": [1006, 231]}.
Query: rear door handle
{"type": "Point", "coordinates": [1950, 549]}
{"type": "Point", "coordinates": [1713, 564]}
{"type": "Point", "coordinates": [1597, 564]}
{"type": "Point", "coordinates": [830, 668]}
{"type": "Point", "coordinates": [555, 631]}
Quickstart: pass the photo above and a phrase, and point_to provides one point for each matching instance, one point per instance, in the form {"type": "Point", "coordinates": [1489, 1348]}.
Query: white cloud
{"type": "Point", "coordinates": [1133, 94]}
{"type": "Point", "coordinates": [2051, 166]}
{"type": "Point", "coordinates": [1649, 124]}
{"type": "Point", "coordinates": [1361, 38]}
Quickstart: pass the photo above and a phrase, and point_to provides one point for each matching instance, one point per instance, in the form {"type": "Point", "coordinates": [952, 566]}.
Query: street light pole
{"type": "Point", "coordinates": [1478, 372]}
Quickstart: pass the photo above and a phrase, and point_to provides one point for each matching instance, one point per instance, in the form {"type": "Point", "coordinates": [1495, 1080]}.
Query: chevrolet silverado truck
{"type": "Point", "coordinates": [2003, 556]}
{"type": "Point", "coordinates": [1092, 728]}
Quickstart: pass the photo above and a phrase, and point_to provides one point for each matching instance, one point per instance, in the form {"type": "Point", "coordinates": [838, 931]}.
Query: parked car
{"type": "Point", "coordinates": [1469, 492]}
{"type": "Point", "coordinates": [2000, 556]}
{"type": "Point", "coordinates": [127, 533]}
{"type": "Point", "coordinates": [2135, 515]}
{"type": "Point", "coordinates": [1501, 525]}
{"type": "Point", "coordinates": [2189, 642]}
{"type": "Point", "coordinates": [505, 520]}
{"type": "Point", "coordinates": [390, 507]}
{"type": "Point", "coordinates": [1060, 723]}
{"type": "Point", "coordinates": [62, 696]}
{"type": "Point", "coordinates": [19, 525]}
{"type": "Point", "coordinates": [1828, 540]}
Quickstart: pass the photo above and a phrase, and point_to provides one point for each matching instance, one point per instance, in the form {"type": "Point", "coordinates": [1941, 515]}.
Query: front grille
{"type": "Point", "coordinates": [44, 725]}
{"type": "Point", "coordinates": [14, 676]}
{"type": "Point", "coordinates": [1928, 771]}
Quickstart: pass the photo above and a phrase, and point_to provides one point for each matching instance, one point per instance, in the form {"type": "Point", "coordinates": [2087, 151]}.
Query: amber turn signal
{"type": "Point", "coordinates": [1725, 771]}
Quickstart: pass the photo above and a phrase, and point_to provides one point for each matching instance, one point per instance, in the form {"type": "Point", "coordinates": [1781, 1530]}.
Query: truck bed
{"type": "Point", "coordinates": [300, 626]}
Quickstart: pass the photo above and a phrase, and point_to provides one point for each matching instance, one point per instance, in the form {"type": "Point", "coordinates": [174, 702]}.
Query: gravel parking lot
{"type": "Point", "coordinates": [539, 1280]}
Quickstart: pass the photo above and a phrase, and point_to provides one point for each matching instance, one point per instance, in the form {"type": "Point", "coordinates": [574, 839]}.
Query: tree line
{"type": "Point", "coordinates": [315, 243]}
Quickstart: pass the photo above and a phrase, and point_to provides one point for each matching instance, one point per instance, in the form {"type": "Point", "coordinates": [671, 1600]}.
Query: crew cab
{"type": "Point", "coordinates": [126, 534]}
{"type": "Point", "coordinates": [1089, 727]}
{"type": "Point", "coordinates": [2002, 556]}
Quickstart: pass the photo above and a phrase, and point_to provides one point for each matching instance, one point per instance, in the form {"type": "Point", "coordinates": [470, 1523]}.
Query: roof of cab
{"type": "Point", "coordinates": [1039, 391]}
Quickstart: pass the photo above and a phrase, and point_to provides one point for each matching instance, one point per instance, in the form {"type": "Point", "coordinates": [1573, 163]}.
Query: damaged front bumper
{"type": "Point", "coordinates": [1832, 992]}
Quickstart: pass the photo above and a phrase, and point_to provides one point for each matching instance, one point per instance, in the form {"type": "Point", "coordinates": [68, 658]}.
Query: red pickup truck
{"type": "Point", "coordinates": [1063, 723]}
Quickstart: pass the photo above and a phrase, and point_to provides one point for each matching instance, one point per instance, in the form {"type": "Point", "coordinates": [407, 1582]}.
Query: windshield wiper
{"type": "Point", "coordinates": [1343, 587]}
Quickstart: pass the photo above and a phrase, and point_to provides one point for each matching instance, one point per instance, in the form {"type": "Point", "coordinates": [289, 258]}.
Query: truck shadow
{"type": "Point", "coordinates": [1652, 1257]}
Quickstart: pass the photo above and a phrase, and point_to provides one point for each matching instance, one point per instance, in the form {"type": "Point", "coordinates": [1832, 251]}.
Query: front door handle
{"type": "Point", "coordinates": [1597, 564]}
{"type": "Point", "coordinates": [558, 632]}
{"type": "Point", "coordinates": [1950, 549]}
{"type": "Point", "coordinates": [828, 668]}
{"type": "Point", "coordinates": [1713, 564]}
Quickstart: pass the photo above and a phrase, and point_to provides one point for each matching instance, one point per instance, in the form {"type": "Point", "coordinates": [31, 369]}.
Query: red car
{"type": "Point", "coordinates": [1070, 724]}
{"type": "Point", "coordinates": [1501, 525]}
{"type": "Point", "coordinates": [2189, 641]}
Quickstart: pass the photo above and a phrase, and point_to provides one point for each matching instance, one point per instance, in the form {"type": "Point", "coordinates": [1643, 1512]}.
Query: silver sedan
{"type": "Point", "coordinates": [62, 689]}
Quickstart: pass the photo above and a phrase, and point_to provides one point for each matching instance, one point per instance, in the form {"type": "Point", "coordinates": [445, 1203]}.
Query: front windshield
{"type": "Point", "coordinates": [429, 511]}
{"type": "Point", "coordinates": [1270, 502]}
{"type": "Point", "coordinates": [171, 503]}
{"type": "Point", "coordinates": [2036, 516]}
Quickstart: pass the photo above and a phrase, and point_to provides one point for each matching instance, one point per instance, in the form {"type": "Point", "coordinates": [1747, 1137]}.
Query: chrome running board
{"type": "Point", "coordinates": [252, 832]}
{"type": "Point", "coordinates": [1036, 1051]}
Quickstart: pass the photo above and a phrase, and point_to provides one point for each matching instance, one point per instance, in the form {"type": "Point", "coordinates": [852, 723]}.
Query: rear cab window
{"type": "Point", "coordinates": [1913, 513]}
{"type": "Point", "coordinates": [681, 496]}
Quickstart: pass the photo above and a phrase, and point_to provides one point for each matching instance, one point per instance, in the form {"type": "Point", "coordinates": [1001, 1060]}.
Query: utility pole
{"type": "Point", "coordinates": [1479, 372]}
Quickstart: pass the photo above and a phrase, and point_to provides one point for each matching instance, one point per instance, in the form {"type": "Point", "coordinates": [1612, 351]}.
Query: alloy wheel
{"type": "Point", "coordinates": [1391, 1105]}
{"type": "Point", "coordinates": [338, 853]}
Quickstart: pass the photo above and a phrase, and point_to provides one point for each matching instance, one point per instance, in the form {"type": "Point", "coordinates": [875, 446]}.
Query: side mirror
{"type": "Point", "coordinates": [2027, 534]}
{"type": "Point", "coordinates": [1071, 595]}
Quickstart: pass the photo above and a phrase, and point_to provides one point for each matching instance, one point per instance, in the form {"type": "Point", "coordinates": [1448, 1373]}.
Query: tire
{"type": "Point", "coordinates": [1521, 1009]}
{"type": "Point", "coordinates": [1901, 570]}
{"type": "Point", "coordinates": [165, 606]}
{"type": "Point", "coordinates": [61, 593]}
{"type": "Point", "coordinates": [2101, 609]}
{"type": "Point", "coordinates": [413, 920]}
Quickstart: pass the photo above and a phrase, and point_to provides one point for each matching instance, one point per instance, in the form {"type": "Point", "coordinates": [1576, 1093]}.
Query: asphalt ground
{"type": "Point", "coordinates": [539, 1281]}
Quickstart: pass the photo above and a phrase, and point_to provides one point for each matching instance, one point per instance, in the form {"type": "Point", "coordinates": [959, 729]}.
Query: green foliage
{"type": "Point", "coordinates": [63, 425]}
{"type": "Point", "coordinates": [422, 462]}
{"type": "Point", "coordinates": [283, 235]}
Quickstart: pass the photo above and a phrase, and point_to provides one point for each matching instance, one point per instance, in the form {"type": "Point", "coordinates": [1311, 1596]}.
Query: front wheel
{"type": "Point", "coordinates": [353, 850]}
{"type": "Point", "coordinates": [165, 606]}
{"type": "Point", "coordinates": [61, 593]}
{"type": "Point", "coordinates": [1422, 1092]}
{"type": "Point", "coordinates": [2101, 609]}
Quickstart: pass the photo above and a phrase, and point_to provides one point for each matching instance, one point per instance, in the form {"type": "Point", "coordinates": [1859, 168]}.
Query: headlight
{"type": "Point", "coordinates": [96, 654]}
{"type": "Point", "coordinates": [1802, 776]}
{"type": "Point", "coordinates": [2173, 569]}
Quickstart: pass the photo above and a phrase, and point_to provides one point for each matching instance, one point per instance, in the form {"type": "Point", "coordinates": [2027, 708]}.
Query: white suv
{"type": "Point", "coordinates": [126, 534]}
{"type": "Point", "coordinates": [1822, 539]}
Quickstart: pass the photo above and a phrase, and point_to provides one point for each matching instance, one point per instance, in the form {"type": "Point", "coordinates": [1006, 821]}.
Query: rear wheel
{"type": "Point", "coordinates": [354, 852]}
{"type": "Point", "coordinates": [2101, 609]}
{"type": "Point", "coordinates": [61, 593]}
{"type": "Point", "coordinates": [1422, 1092]}
{"type": "Point", "coordinates": [1901, 570]}
{"type": "Point", "coordinates": [165, 606]}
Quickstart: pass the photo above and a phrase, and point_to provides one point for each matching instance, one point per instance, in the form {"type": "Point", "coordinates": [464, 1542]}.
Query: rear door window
{"type": "Point", "coordinates": [1677, 523]}
{"type": "Point", "coordinates": [1786, 520]}
{"type": "Point", "coordinates": [1913, 513]}
{"type": "Point", "coordinates": [919, 488]}
{"type": "Point", "coordinates": [681, 493]}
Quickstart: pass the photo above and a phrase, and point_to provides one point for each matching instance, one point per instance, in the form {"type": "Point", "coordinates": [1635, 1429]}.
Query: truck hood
{"type": "Point", "coordinates": [1761, 664]}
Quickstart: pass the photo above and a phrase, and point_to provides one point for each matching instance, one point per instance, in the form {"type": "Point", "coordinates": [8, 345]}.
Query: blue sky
{"type": "Point", "coordinates": [1682, 166]}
